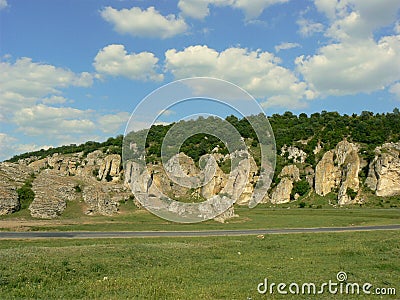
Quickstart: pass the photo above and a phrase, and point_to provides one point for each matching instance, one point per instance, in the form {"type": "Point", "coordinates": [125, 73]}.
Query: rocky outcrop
{"type": "Point", "coordinates": [350, 182]}
{"type": "Point", "coordinates": [9, 202]}
{"type": "Point", "coordinates": [12, 177]}
{"type": "Point", "coordinates": [338, 169]}
{"type": "Point", "coordinates": [290, 171]}
{"type": "Point", "coordinates": [110, 167]}
{"type": "Point", "coordinates": [52, 191]}
{"type": "Point", "coordinates": [384, 170]}
{"type": "Point", "coordinates": [327, 174]}
{"type": "Point", "coordinates": [99, 200]}
{"type": "Point", "coordinates": [281, 193]}
{"type": "Point", "coordinates": [99, 179]}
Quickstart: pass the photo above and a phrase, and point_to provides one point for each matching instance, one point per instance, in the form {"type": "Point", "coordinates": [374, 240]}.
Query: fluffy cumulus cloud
{"type": "Point", "coordinates": [144, 23]}
{"type": "Point", "coordinates": [344, 68]}
{"type": "Point", "coordinates": [29, 78]}
{"type": "Point", "coordinates": [355, 61]}
{"type": "Point", "coordinates": [29, 98]}
{"type": "Point", "coordinates": [256, 71]}
{"type": "Point", "coordinates": [357, 19]}
{"type": "Point", "coordinates": [115, 61]}
{"type": "Point", "coordinates": [199, 9]}
{"type": "Point", "coordinates": [24, 83]}
{"type": "Point", "coordinates": [53, 121]}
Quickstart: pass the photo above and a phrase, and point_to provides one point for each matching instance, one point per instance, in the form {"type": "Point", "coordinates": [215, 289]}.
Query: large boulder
{"type": "Point", "coordinates": [52, 191]}
{"type": "Point", "coordinates": [327, 174]}
{"type": "Point", "coordinates": [338, 169]}
{"type": "Point", "coordinates": [99, 201]}
{"type": "Point", "coordinates": [9, 202]}
{"type": "Point", "coordinates": [384, 170]}
{"type": "Point", "coordinates": [281, 194]}
{"type": "Point", "coordinates": [110, 167]}
{"type": "Point", "coordinates": [12, 177]}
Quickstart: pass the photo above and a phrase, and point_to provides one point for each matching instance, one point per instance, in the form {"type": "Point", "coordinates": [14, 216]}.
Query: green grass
{"type": "Point", "coordinates": [194, 268]}
{"type": "Point", "coordinates": [263, 216]}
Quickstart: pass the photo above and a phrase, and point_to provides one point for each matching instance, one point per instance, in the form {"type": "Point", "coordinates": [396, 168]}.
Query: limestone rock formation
{"type": "Point", "coordinates": [52, 191]}
{"type": "Point", "coordinates": [290, 171]}
{"type": "Point", "coordinates": [327, 174]}
{"type": "Point", "coordinates": [99, 200]}
{"type": "Point", "coordinates": [110, 167]}
{"type": "Point", "coordinates": [350, 181]}
{"type": "Point", "coordinates": [12, 177]}
{"type": "Point", "coordinates": [339, 169]}
{"type": "Point", "coordinates": [9, 202]}
{"type": "Point", "coordinates": [281, 193]}
{"type": "Point", "coordinates": [384, 170]}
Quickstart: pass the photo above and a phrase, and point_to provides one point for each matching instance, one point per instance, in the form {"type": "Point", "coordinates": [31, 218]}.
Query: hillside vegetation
{"type": "Point", "coordinates": [305, 132]}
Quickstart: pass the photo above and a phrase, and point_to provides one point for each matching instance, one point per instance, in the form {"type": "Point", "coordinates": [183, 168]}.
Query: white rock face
{"type": "Point", "coordinates": [291, 171]}
{"type": "Point", "coordinates": [327, 174]}
{"type": "Point", "coordinates": [12, 176]}
{"type": "Point", "coordinates": [9, 202]}
{"type": "Point", "coordinates": [110, 166]}
{"type": "Point", "coordinates": [52, 191]}
{"type": "Point", "coordinates": [99, 201]}
{"type": "Point", "coordinates": [339, 168]}
{"type": "Point", "coordinates": [281, 194]}
{"type": "Point", "coordinates": [384, 170]}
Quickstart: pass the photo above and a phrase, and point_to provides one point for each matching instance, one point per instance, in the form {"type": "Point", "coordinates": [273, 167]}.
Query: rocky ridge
{"type": "Point", "coordinates": [98, 180]}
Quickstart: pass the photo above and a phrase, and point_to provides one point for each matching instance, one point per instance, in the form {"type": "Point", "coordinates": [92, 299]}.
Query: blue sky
{"type": "Point", "coordinates": [72, 71]}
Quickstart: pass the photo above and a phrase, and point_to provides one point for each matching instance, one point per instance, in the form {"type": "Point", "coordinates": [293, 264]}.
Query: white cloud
{"type": "Point", "coordinates": [355, 62]}
{"type": "Point", "coordinates": [144, 23]}
{"type": "Point", "coordinates": [350, 68]}
{"type": "Point", "coordinates": [25, 83]}
{"type": "Point", "coordinates": [395, 89]}
{"type": "Point", "coordinates": [255, 71]}
{"type": "Point", "coordinates": [9, 146]}
{"type": "Point", "coordinates": [357, 19]}
{"type": "Point", "coordinates": [199, 9]}
{"type": "Point", "coordinates": [113, 122]}
{"type": "Point", "coordinates": [34, 79]}
{"type": "Point", "coordinates": [53, 121]}
{"type": "Point", "coordinates": [3, 4]}
{"type": "Point", "coordinates": [286, 46]}
{"type": "Point", "coordinates": [114, 60]}
{"type": "Point", "coordinates": [253, 8]}
{"type": "Point", "coordinates": [54, 99]}
{"type": "Point", "coordinates": [308, 27]}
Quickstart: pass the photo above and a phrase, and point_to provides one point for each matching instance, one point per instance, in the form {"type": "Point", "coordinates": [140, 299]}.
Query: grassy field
{"type": "Point", "coordinates": [196, 268]}
{"type": "Point", "coordinates": [316, 213]}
